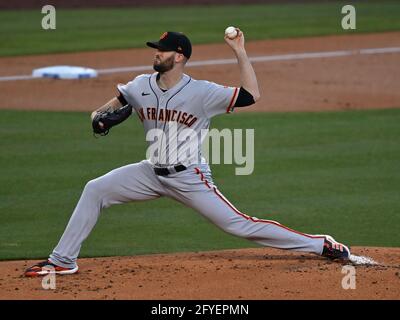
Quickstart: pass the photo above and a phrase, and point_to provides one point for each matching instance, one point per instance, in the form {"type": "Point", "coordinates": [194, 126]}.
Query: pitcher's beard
{"type": "Point", "coordinates": [164, 66]}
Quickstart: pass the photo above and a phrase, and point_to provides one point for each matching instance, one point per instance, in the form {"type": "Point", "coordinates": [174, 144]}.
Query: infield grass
{"type": "Point", "coordinates": [332, 172]}
{"type": "Point", "coordinates": [97, 29]}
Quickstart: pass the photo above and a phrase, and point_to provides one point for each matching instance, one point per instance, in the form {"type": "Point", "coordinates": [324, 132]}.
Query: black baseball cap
{"type": "Point", "coordinates": [173, 41]}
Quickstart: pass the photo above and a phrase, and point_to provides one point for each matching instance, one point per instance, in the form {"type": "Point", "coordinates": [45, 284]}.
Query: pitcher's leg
{"type": "Point", "coordinates": [209, 201]}
{"type": "Point", "coordinates": [125, 184]}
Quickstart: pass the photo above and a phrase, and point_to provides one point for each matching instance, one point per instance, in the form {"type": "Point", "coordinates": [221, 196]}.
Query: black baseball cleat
{"type": "Point", "coordinates": [335, 250]}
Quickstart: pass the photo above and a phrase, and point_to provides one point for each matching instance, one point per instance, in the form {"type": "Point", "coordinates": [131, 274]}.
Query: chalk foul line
{"type": "Point", "coordinates": [268, 58]}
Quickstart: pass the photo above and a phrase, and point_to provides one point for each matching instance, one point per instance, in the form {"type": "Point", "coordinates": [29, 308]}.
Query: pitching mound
{"type": "Point", "coordinates": [232, 274]}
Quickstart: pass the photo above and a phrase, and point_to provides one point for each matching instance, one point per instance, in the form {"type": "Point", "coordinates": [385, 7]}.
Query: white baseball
{"type": "Point", "coordinates": [231, 32]}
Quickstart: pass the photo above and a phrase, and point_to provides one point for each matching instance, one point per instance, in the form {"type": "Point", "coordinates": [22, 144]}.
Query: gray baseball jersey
{"type": "Point", "coordinates": [189, 104]}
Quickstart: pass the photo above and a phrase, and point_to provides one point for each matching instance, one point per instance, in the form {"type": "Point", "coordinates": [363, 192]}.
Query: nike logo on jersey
{"type": "Point", "coordinates": [145, 94]}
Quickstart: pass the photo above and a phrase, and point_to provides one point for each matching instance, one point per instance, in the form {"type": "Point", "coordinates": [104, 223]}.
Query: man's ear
{"type": "Point", "coordinates": [179, 57]}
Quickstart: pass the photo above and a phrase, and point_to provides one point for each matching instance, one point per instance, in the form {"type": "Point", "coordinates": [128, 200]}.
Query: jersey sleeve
{"type": "Point", "coordinates": [218, 99]}
{"type": "Point", "coordinates": [128, 90]}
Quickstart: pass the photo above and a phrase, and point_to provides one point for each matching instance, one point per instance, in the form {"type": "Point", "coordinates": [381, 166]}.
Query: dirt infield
{"type": "Point", "coordinates": [256, 274]}
{"type": "Point", "coordinates": [334, 83]}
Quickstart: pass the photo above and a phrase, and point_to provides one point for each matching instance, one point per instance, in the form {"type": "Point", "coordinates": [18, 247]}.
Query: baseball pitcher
{"type": "Point", "coordinates": [170, 101]}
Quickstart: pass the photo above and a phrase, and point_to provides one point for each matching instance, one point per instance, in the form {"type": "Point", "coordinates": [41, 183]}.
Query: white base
{"type": "Point", "coordinates": [64, 72]}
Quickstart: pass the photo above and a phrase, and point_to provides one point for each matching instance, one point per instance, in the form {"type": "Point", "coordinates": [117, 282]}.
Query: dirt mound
{"type": "Point", "coordinates": [256, 274]}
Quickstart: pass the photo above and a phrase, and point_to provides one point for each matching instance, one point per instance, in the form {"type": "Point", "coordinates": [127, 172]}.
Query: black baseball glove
{"type": "Point", "coordinates": [104, 121]}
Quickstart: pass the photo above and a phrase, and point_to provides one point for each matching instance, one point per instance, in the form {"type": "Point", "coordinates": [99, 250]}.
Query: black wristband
{"type": "Point", "coordinates": [122, 99]}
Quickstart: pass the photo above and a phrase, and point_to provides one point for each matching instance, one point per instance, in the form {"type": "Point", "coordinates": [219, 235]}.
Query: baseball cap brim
{"type": "Point", "coordinates": [157, 45]}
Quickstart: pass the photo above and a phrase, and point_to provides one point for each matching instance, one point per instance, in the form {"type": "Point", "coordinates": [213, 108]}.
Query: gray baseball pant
{"type": "Point", "coordinates": [193, 187]}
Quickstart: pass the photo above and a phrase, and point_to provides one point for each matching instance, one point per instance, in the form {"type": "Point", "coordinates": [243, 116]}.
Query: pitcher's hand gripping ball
{"type": "Point", "coordinates": [231, 32]}
{"type": "Point", "coordinates": [104, 121]}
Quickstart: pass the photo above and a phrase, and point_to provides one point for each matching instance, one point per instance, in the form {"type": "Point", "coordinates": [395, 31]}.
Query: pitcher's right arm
{"type": "Point", "coordinates": [111, 105]}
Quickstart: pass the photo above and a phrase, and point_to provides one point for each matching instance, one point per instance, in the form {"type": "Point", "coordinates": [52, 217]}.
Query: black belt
{"type": "Point", "coordinates": [165, 171]}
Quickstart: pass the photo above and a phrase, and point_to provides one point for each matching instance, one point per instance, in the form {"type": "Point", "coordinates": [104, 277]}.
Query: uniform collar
{"type": "Point", "coordinates": [153, 82]}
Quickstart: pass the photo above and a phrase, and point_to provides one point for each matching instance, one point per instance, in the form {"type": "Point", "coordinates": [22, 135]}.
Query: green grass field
{"type": "Point", "coordinates": [330, 172]}
{"type": "Point", "coordinates": [96, 29]}
{"type": "Point", "coordinates": [333, 172]}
